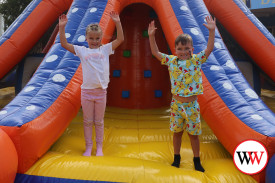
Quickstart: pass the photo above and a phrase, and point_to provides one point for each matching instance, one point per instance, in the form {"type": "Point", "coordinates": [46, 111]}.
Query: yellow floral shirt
{"type": "Point", "coordinates": [185, 75]}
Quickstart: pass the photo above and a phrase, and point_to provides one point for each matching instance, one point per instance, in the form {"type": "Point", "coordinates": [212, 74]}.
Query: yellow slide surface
{"type": "Point", "coordinates": [137, 148]}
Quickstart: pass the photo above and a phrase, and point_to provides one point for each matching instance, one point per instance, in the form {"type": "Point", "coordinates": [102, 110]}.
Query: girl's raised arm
{"type": "Point", "coordinates": [120, 35]}
{"type": "Point", "coordinates": [64, 43]}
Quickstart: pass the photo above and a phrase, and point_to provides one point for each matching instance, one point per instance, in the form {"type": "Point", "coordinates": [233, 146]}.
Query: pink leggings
{"type": "Point", "coordinates": [93, 103]}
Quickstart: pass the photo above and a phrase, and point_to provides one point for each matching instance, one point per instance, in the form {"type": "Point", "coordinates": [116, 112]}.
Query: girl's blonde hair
{"type": "Point", "coordinates": [93, 27]}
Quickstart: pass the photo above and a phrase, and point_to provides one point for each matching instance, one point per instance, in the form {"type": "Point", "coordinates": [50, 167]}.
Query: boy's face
{"type": "Point", "coordinates": [184, 52]}
{"type": "Point", "coordinates": [93, 39]}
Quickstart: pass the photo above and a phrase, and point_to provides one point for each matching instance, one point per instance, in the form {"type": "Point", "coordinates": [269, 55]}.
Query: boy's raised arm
{"type": "Point", "coordinates": [120, 35]}
{"type": "Point", "coordinates": [211, 25]}
{"type": "Point", "coordinates": [62, 23]}
{"type": "Point", "coordinates": [152, 40]}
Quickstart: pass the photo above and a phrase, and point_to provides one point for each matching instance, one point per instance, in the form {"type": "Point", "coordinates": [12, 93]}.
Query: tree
{"type": "Point", "coordinates": [11, 9]}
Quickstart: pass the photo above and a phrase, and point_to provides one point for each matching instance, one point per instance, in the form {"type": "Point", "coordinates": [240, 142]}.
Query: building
{"type": "Point", "coordinates": [1, 25]}
{"type": "Point", "coordinates": [264, 10]}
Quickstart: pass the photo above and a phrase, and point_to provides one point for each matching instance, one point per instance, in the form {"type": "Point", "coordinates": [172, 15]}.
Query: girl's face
{"type": "Point", "coordinates": [184, 52]}
{"type": "Point", "coordinates": [93, 39]}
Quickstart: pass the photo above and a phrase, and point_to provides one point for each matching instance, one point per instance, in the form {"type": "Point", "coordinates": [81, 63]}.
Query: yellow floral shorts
{"type": "Point", "coordinates": [185, 116]}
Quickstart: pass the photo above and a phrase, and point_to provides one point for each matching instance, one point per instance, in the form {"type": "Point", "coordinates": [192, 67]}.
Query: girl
{"type": "Point", "coordinates": [95, 68]}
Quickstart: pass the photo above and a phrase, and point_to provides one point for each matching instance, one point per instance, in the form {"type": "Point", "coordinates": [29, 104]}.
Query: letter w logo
{"type": "Point", "coordinates": [249, 157]}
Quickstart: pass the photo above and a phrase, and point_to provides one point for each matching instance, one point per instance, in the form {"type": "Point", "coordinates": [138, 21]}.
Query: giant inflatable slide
{"type": "Point", "coordinates": [40, 114]}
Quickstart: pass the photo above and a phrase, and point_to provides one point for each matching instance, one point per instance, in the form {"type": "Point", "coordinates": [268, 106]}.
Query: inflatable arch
{"type": "Point", "coordinates": [38, 116]}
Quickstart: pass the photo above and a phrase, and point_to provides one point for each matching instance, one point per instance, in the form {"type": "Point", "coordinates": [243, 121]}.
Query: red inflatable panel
{"type": "Point", "coordinates": [8, 159]}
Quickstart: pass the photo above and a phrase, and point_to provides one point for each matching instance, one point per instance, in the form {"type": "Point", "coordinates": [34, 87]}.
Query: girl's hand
{"type": "Point", "coordinates": [114, 16]}
{"type": "Point", "coordinates": [211, 24]}
{"type": "Point", "coordinates": [63, 20]}
{"type": "Point", "coordinates": [151, 28]}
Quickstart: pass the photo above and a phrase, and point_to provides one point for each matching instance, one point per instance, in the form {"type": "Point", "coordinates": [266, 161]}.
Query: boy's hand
{"type": "Point", "coordinates": [151, 28]}
{"type": "Point", "coordinates": [211, 24]}
{"type": "Point", "coordinates": [63, 20]}
{"type": "Point", "coordinates": [114, 16]}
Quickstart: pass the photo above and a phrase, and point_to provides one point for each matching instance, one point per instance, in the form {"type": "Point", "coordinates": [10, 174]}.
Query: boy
{"type": "Point", "coordinates": [186, 84]}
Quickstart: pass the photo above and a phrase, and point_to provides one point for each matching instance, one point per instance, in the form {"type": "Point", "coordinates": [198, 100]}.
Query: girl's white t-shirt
{"type": "Point", "coordinates": [95, 65]}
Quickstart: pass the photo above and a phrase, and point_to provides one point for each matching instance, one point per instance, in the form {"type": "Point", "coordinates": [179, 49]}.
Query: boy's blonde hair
{"type": "Point", "coordinates": [183, 39]}
{"type": "Point", "coordinates": [93, 27]}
